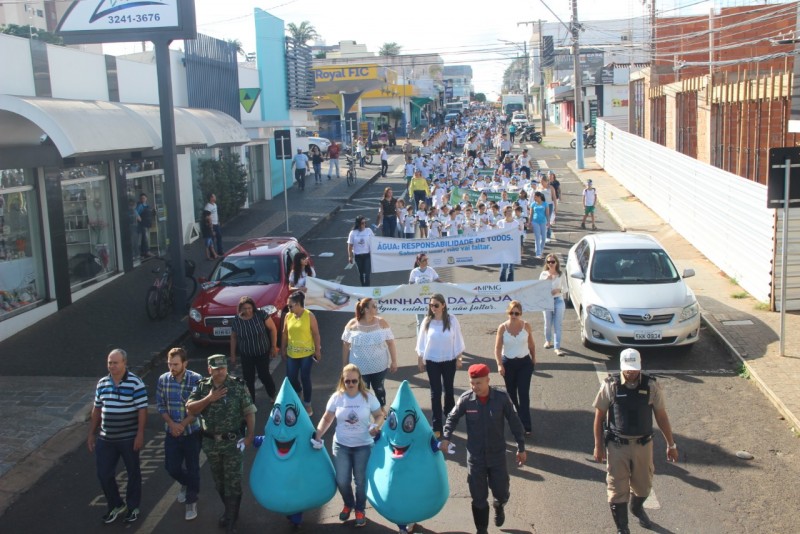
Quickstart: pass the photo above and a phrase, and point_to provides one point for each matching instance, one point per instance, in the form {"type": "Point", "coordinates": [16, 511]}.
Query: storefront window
{"type": "Point", "coordinates": [255, 163]}
{"type": "Point", "coordinates": [88, 223]}
{"type": "Point", "coordinates": [145, 177]}
{"type": "Point", "coordinates": [22, 282]}
{"type": "Point", "coordinates": [197, 155]}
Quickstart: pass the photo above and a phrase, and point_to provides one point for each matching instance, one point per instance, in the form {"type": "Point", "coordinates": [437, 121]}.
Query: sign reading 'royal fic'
{"type": "Point", "coordinates": [355, 72]}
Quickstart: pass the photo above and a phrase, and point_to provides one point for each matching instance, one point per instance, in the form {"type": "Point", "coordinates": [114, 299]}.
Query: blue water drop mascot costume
{"type": "Point", "coordinates": [288, 475]}
{"type": "Point", "coordinates": [486, 409]}
{"type": "Point", "coordinates": [406, 472]}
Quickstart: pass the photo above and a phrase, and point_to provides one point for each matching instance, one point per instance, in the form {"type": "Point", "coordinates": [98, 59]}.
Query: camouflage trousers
{"type": "Point", "coordinates": [225, 460]}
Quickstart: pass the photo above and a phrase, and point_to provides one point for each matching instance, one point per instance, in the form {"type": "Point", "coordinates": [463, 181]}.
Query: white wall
{"type": "Point", "coordinates": [615, 100]}
{"type": "Point", "coordinates": [77, 75]}
{"type": "Point", "coordinates": [184, 171]}
{"type": "Point", "coordinates": [17, 73]}
{"type": "Point", "coordinates": [137, 82]}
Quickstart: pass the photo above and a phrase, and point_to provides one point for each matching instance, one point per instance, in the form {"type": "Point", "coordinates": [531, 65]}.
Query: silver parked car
{"type": "Point", "coordinates": [627, 292]}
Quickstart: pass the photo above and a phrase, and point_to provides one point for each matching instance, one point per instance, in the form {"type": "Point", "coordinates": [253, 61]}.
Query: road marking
{"type": "Point", "coordinates": [339, 279]}
{"type": "Point", "coordinates": [541, 163]}
{"type": "Point", "coordinates": [602, 373]}
{"type": "Point", "coordinates": [349, 266]}
{"type": "Point", "coordinates": [154, 517]}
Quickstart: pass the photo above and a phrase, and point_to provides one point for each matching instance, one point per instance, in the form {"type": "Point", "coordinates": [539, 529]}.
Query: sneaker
{"type": "Point", "coordinates": [191, 511]}
{"type": "Point", "coordinates": [583, 226]}
{"type": "Point", "coordinates": [548, 345]}
{"type": "Point", "coordinates": [114, 513]}
{"type": "Point", "coordinates": [182, 495]}
{"type": "Point", "coordinates": [131, 516]}
{"type": "Point", "coordinates": [559, 352]}
{"type": "Point", "coordinates": [594, 227]}
{"type": "Point", "coordinates": [344, 515]}
{"type": "Point", "coordinates": [361, 519]}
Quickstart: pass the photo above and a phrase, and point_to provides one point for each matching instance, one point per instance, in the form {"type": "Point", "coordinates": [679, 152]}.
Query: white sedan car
{"type": "Point", "coordinates": [322, 143]}
{"type": "Point", "coordinates": [627, 292]}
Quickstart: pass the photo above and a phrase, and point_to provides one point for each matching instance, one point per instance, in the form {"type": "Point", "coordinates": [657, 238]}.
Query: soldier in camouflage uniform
{"type": "Point", "coordinates": [222, 402]}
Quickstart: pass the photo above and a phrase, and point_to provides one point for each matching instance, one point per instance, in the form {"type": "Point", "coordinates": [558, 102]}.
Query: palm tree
{"type": "Point", "coordinates": [396, 114]}
{"type": "Point", "coordinates": [237, 46]}
{"type": "Point", "coordinates": [303, 33]}
{"type": "Point", "coordinates": [389, 49]}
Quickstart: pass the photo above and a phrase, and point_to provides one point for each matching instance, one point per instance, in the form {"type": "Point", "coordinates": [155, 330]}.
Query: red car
{"type": "Point", "coordinates": [258, 268]}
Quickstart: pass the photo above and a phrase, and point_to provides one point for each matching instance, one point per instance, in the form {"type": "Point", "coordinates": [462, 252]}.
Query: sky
{"type": "Point", "coordinates": [461, 33]}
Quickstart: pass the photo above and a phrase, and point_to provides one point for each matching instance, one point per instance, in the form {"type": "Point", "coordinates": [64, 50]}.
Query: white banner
{"type": "Point", "coordinates": [490, 297]}
{"type": "Point", "coordinates": [487, 248]}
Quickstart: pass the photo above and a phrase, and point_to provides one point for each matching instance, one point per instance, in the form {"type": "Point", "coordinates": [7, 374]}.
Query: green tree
{"type": "Point", "coordinates": [396, 114]}
{"type": "Point", "coordinates": [237, 45]}
{"type": "Point", "coordinates": [28, 31]}
{"type": "Point", "coordinates": [320, 54]}
{"type": "Point", "coordinates": [302, 33]}
{"type": "Point", "coordinates": [226, 177]}
{"type": "Point", "coordinates": [389, 49]}
{"type": "Point", "coordinates": [480, 97]}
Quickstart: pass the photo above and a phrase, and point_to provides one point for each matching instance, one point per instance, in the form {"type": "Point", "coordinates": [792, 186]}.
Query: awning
{"type": "Point", "coordinates": [420, 101]}
{"type": "Point", "coordinates": [88, 127]}
{"type": "Point", "coordinates": [326, 112]}
{"type": "Point", "coordinates": [376, 109]}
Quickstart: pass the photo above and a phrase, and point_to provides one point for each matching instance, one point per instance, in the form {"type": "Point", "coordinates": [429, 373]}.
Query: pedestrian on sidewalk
{"type": "Point", "coordinates": [540, 221]}
{"type": "Point", "coordinates": [254, 338]}
{"type": "Point", "coordinates": [224, 407]}
{"type": "Point", "coordinates": [384, 161]}
{"type": "Point", "coordinates": [487, 409]}
{"type": "Point", "coordinates": [387, 213]}
{"type": "Point", "coordinates": [361, 148]}
{"type": "Point", "coordinates": [623, 435]}
{"type": "Point", "coordinates": [183, 437]}
{"type": "Point", "coordinates": [553, 318]}
{"type": "Point", "coordinates": [300, 165]}
{"type": "Point", "coordinates": [515, 354]}
{"type": "Point", "coordinates": [358, 248]}
{"type": "Point", "coordinates": [144, 221]}
{"type": "Point", "coordinates": [211, 207]}
{"type": "Point", "coordinates": [120, 413]}
{"type": "Point", "coordinates": [207, 233]}
{"type": "Point", "coordinates": [316, 164]}
{"type": "Point", "coordinates": [589, 201]}
{"type": "Point", "coordinates": [301, 347]}
{"type": "Point", "coordinates": [333, 159]}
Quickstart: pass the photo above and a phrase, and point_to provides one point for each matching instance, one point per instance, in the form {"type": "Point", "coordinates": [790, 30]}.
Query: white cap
{"type": "Point", "coordinates": [630, 360]}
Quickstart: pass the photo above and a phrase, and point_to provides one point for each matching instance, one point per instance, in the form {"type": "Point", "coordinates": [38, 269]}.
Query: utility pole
{"type": "Point", "coordinates": [526, 74]}
{"type": "Point", "coordinates": [653, 33]}
{"type": "Point", "coordinates": [542, 103]}
{"type": "Point", "coordinates": [576, 50]}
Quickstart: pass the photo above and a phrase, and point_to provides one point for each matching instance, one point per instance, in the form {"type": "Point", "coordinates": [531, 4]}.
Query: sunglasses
{"type": "Point", "coordinates": [551, 261]}
{"type": "Point", "coordinates": [349, 381]}
{"type": "Point", "coordinates": [435, 305]}
{"type": "Point", "coordinates": [515, 313]}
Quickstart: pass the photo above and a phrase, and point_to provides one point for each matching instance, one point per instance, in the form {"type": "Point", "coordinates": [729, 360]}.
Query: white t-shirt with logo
{"type": "Point", "coordinates": [352, 418]}
{"type": "Point", "coordinates": [360, 239]}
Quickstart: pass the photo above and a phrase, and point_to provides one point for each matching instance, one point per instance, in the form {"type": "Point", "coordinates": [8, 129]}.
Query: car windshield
{"type": "Point", "coordinates": [633, 266]}
{"type": "Point", "coordinates": [247, 271]}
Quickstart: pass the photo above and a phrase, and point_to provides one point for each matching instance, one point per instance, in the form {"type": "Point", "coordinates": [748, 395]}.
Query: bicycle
{"type": "Point", "coordinates": [351, 170]}
{"type": "Point", "coordinates": [159, 300]}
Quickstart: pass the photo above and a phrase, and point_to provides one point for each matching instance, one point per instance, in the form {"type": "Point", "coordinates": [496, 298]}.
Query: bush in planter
{"type": "Point", "coordinates": [226, 177]}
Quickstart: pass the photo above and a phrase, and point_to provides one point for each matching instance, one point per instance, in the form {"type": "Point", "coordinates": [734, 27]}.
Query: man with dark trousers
{"type": "Point", "coordinates": [486, 409]}
{"type": "Point", "coordinates": [623, 434]}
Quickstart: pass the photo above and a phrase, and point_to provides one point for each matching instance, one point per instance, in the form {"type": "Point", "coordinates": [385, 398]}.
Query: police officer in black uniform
{"type": "Point", "coordinates": [623, 433]}
{"type": "Point", "coordinates": [486, 409]}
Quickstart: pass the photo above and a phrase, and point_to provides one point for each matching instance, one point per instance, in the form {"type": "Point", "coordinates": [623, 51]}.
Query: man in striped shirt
{"type": "Point", "coordinates": [182, 442]}
{"type": "Point", "coordinates": [120, 412]}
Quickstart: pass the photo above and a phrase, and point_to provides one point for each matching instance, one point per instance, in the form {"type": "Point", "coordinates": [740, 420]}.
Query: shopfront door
{"type": "Point", "coordinates": [151, 183]}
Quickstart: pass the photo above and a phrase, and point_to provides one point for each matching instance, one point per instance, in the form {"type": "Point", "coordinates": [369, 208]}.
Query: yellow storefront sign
{"type": "Point", "coordinates": [351, 72]}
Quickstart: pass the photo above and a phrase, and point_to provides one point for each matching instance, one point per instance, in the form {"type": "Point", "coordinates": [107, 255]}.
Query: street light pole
{"type": "Point", "coordinates": [542, 103]}
{"type": "Point", "coordinates": [576, 50]}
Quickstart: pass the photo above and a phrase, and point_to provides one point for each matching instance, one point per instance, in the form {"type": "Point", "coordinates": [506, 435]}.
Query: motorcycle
{"type": "Point", "coordinates": [529, 133]}
{"type": "Point", "coordinates": [588, 141]}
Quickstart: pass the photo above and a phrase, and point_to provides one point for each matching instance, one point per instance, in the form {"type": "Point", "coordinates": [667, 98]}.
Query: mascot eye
{"type": "Point", "coordinates": [276, 416]}
{"type": "Point", "coordinates": [291, 416]}
{"type": "Point", "coordinates": [393, 420]}
{"type": "Point", "coordinates": [409, 423]}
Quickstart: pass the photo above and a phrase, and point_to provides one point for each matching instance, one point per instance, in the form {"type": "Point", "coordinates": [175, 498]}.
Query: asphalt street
{"type": "Point", "coordinates": [714, 414]}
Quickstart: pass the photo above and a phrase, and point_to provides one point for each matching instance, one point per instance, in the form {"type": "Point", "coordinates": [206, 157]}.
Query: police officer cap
{"type": "Point", "coordinates": [478, 370]}
{"type": "Point", "coordinates": [630, 360]}
{"type": "Point", "coordinates": [217, 360]}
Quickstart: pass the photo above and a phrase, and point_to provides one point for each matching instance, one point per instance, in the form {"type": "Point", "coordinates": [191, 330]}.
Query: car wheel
{"type": "Point", "coordinates": [584, 336]}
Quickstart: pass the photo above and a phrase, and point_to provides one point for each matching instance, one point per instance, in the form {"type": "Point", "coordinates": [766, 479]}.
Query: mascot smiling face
{"type": "Point", "coordinates": [288, 474]}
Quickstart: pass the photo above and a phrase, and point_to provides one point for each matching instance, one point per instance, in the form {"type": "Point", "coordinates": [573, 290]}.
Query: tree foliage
{"type": "Point", "coordinates": [302, 33]}
{"type": "Point", "coordinates": [237, 45]}
{"type": "Point", "coordinates": [226, 177]}
{"type": "Point", "coordinates": [480, 97]}
{"type": "Point", "coordinates": [389, 49]}
{"type": "Point", "coordinates": [396, 114]}
{"type": "Point", "coordinates": [27, 31]}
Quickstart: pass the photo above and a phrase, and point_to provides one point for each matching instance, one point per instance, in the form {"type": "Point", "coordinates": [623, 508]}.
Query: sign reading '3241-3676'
{"type": "Point", "coordinates": [127, 20]}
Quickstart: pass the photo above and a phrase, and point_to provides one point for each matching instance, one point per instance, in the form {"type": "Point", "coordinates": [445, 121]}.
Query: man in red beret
{"type": "Point", "coordinates": [485, 408]}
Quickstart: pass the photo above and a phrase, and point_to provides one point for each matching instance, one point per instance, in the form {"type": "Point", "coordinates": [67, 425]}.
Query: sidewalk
{"type": "Point", "coordinates": [748, 332]}
{"type": "Point", "coordinates": [48, 371]}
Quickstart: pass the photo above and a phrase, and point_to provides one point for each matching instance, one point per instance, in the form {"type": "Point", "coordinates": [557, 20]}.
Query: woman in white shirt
{"type": "Point", "coordinates": [368, 342]}
{"type": "Point", "coordinates": [422, 274]}
{"type": "Point", "coordinates": [301, 270]}
{"type": "Point", "coordinates": [439, 347]}
{"type": "Point", "coordinates": [351, 406]}
{"type": "Point", "coordinates": [554, 318]}
{"type": "Point", "coordinates": [515, 353]}
{"type": "Point", "coordinates": [358, 248]}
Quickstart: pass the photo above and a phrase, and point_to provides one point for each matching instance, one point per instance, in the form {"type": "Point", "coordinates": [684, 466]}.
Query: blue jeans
{"type": "Point", "coordinates": [518, 384]}
{"type": "Point", "coordinates": [184, 450]}
{"type": "Point", "coordinates": [441, 376]}
{"type": "Point", "coordinates": [364, 264]}
{"type": "Point", "coordinates": [389, 227]}
{"type": "Point", "coordinates": [351, 465]}
{"type": "Point", "coordinates": [552, 322]}
{"type": "Point", "coordinates": [375, 381]}
{"type": "Point", "coordinates": [539, 235]}
{"type": "Point", "coordinates": [218, 238]}
{"type": "Point", "coordinates": [106, 455]}
{"type": "Point", "coordinates": [506, 272]}
{"type": "Point", "coordinates": [550, 208]}
{"type": "Point", "coordinates": [302, 367]}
